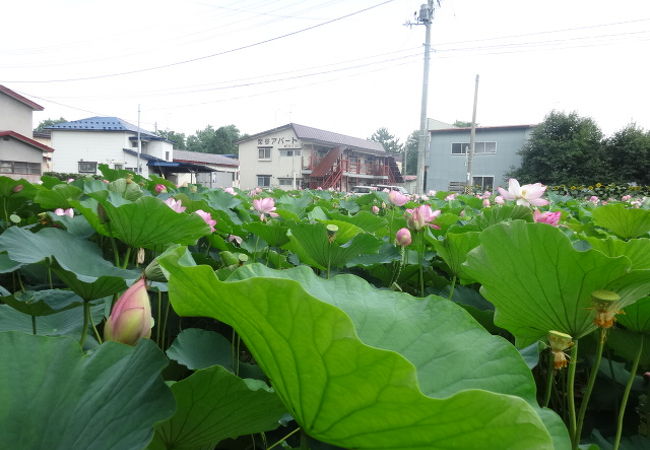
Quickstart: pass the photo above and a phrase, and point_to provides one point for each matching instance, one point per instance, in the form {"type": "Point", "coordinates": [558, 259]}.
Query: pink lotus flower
{"type": "Point", "coordinates": [397, 198]}
{"type": "Point", "coordinates": [234, 238]}
{"type": "Point", "coordinates": [422, 216]}
{"type": "Point", "coordinates": [176, 205]}
{"type": "Point", "coordinates": [230, 190]}
{"type": "Point", "coordinates": [131, 317]}
{"type": "Point", "coordinates": [255, 191]}
{"type": "Point", "coordinates": [207, 218]}
{"type": "Point", "coordinates": [424, 198]}
{"type": "Point", "coordinates": [403, 237]}
{"type": "Point", "coordinates": [70, 180]}
{"type": "Point", "coordinates": [265, 206]}
{"type": "Point", "coordinates": [431, 193]}
{"type": "Point", "coordinates": [451, 197]}
{"type": "Point", "coordinates": [548, 217]}
{"type": "Point", "coordinates": [528, 194]}
{"type": "Point", "coordinates": [626, 198]}
{"type": "Point", "coordinates": [64, 212]}
{"type": "Point", "coordinates": [17, 188]}
{"type": "Point", "coordinates": [375, 209]}
{"type": "Point", "coordinates": [486, 203]}
{"type": "Point", "coordinates": [499, 200]}
{"type": "Point", "coordinates": [593, 199]}
{"type": "Point", "coordinates": [160, 188]}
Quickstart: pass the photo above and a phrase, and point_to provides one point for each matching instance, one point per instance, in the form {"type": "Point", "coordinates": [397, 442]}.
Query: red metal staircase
{"type": "Point", "coordinates": [394, 175]}
{"type": "Point", "coordinates": [329, 170]}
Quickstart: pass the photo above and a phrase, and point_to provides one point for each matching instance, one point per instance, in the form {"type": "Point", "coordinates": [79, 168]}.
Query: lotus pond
{"type": "Point", "coordinates": [136, 314]}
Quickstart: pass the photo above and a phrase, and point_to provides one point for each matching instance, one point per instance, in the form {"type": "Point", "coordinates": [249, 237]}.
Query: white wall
{"type": "Point", "coordinates": [158, 149]}
{"type": "Point", "coordinates": [103, 147]}
{"type": "Point", "coordinates": [251, 166]}
{"type": "Point", "coordinates": [15, 116]}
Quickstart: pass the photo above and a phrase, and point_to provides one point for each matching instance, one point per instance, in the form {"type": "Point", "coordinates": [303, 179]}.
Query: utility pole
{"type": "Point", "coordinates": [469, 185]}
{"type": "Point", "coordinates": [425, 17]}
{"type": "Point", "coordinates": [137, 167]}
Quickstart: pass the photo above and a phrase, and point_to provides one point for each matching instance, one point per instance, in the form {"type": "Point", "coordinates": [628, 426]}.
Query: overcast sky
{"type": "Point", "coordinates": [348, 66]}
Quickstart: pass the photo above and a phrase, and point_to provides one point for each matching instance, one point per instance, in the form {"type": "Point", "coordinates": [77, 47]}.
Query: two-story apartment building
{"type": "Point", "coordinates": [20, 155]}
{"type": "Point", "coordinates": [81, 145]}
{"type": "Point", "coordinates": [295, 156]}
{"type": "Point", "coordinates": [494, 155]}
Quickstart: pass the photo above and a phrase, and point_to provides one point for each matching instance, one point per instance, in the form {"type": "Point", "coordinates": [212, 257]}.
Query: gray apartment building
{"type": "Point", "coordinates": [495, 154]}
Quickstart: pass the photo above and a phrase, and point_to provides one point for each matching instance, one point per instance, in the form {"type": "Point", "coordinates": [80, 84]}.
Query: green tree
{"type": "Point", "coordinates": [390, 143]}
{"type": "Point", "coordinates": [563, 149]}
{"type": "Point", "coordinates": [209, 140]}
{"type": "Point", "coordinates": [177, 138]}
{"type": "Point", "coordinates": [627, 156]}
{"type": "Point", "coordinates": [48, 122]}
{"type": "Point", "coordinates": [462, 124]}
{"type": "Point", "coordinates": [411, 149]}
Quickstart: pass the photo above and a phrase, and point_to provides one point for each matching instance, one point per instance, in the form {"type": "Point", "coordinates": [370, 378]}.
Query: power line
{"type": "Point", "coordinates": [200, 58]}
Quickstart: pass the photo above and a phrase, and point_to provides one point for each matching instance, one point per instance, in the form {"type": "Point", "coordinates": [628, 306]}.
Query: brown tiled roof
{"type": "Point", "coordinates": [26, 140]}
{"type": "Point", "coordinates": [317, 135]}
{"type": "Point", "coordinates": [204, 158]}
{"type": "Point", "coordinates": [16, 96]}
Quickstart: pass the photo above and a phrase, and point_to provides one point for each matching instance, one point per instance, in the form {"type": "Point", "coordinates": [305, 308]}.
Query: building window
{"type": "Point", "coordinates": [167, 156]}
{"type": "Point", "coordinates": [118, 166]}
{"type": "Point", "coordinates": [291, 152]}
{"type": "Point", "coordinates": [87, 166]}
{"type": "Point", "coordinates": [285, 181]}
{"type": "Point", "coordinates": [20, 168]}
{"type": "Point", "coordinates": [485, 183]}
{"type": "Point", "coordinates": [264, 180]}
{"type": "Point", "coordinates": [264, 153]}
{"type": "Point", "coordinates": [460, 148]}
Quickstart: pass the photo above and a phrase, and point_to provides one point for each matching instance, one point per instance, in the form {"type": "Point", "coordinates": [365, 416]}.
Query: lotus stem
{"type": "Point", "coordinates": [163, 333]}
{"type": "Point", "coordinates": [549, 379]}
{"type": "Point", "coordinates": [421, 262]}
{"type": "Point", "coordinates": [590, 384]}
{"type": "Point", "coordinates": [453, 286]}
{"type": "Point", "coordinates": [159, 323]}
{"type": "Point", "coordinates": [626, 394]}
{"type": "Point", "coordinates": [34, 325]}
{"type": "Point", "coordinates": [571, 376]}
{"type": "Point", "coordinates": [84, 327]}
{"type": "Point", "coordinates": [127, 256]}
{"type": "Point", "coordinates": [284, 438]}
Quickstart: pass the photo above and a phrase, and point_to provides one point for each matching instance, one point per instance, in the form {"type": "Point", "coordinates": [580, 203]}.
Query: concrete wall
{"type": "Point", "coordinates": [15, 116]}
{"type": "Point", "coordinates": [445, 167]}
{"type": "Point", "coordinates": [101, 147]}
{"type": "Point", "coordinates": [16, 151]}
{"type": "Point", "coordinates": [278, 165]}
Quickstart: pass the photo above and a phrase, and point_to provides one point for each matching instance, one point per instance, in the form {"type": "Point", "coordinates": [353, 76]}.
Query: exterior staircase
{"type": "Point", "coordinates": [394, 175]}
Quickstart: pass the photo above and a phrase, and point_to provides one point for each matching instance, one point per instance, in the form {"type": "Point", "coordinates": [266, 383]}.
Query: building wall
{"type": "Point", "coordinates": [15, 116]}
{"type": "Point", "coordinates": [12, 150]}
{"type": "Point", "coordinates": [160, 149]}
{"type": "Point", "coordinates": [101, 147]}
{"type": "Point", "coordinates": [278, 166]}
{"type": "Point", "coordinates": [445, 167]}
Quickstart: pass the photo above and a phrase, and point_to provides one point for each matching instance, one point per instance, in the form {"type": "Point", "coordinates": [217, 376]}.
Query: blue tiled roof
{"type": "Point", "coordinates": [101, 124]}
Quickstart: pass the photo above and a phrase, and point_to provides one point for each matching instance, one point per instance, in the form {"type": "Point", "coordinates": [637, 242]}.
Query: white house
{"type": "Point", "coordinates": [293, 156]}
{"type": "Point", "coordinates": [20, 155]}
{"type": "Point", "coordinates": [82, 145]}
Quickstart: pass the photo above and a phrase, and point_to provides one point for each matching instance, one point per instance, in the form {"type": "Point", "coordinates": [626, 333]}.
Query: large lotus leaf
{"type": "Point", "coordinates": [65, 322]}
{"type": "Point", "coordinates": [213, 405]}
{"type": "Point", "coordinates": [149, 222]}
{"type": "Point", "coordinates": [538, 281]}
{"type": "Point", "coordinates": [337, 386]}
{"type": "Point", "coordinates": [58, 196]}
{"type": "Point", "coordinates": [453, 249]}
{"type": "Point", "coordinates": [80, 263]}
{"type": "Point", "coordinates": [77, 225]}
{"type": "Point", "coordinates": [296, 205]}
{"type": "Point", "coordinates": [624, 222]}
{"type": "Point", "coordinates": [625, 343]}
{"type": "Point", "coordinates": [638, 250]}
{"type": "Point", "coordinates": [7, 264]}
{"type": "Point", "coordinates": [14, 195]}
{"type": "Point", "coordinates": [498, 214]}
{"type": "Point", "coordinates": [363, 219]}
{"type": "Point", "coordinates": [313, 244]}
{"type": "Point", "coordinates": [42, 303]}
{"type": "Point", "coordinates": [274, 233]}
{"type": "Point", "coordinates": [54, 396]}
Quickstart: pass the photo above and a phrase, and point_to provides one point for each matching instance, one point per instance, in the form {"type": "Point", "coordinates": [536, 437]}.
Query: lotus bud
{"type": "Point", "coordinates": [160, 188]}
{"type": "Point", "coordinates": [131, 317]}
{"type": "Point", "coordinates": [403, 237]}
{"type": "Point", "coordinates": [559, 343]}
{"type": "Point", "coordinates": [604, 303]}
{"type": "Point", "coordinates": [375, 209]}
{"type": "Point", "coordinates": [17, 188]}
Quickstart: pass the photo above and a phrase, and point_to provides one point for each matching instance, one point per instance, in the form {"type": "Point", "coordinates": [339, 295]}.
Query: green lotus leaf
{"type": "Point", "coordinates": [54, 396]}
{"type": "Point", "coordinates": [492, 216]}
{"type": "Point", "coordinates": [637, 316]}
{"type": "Point", "coordinates": [365, 220]}
{"type": "Point", "coordinates": [213, 405]}
{"type": "Point", "coordinates": [274, 233]}
{"type": "Point", "coordinates": [197, 349]}
{"type": "Point", "coordinates": [453, 249]}
{"type": "Point", "coordinates": [538, 282]}
{"type": "Point", "coordinates": [42, 303]}
{"type": "Point", "coordinates": [7, 264]}
{"type": "Point", "coordinates": [148, 223]}
{"type": "Point", "coordinates": [336, 383]}
{"type": "Point", "coordinates": [624, 222]}
{"type": "Point", "coordinates": [311, 242]}
{"type": "Point", "coordinates": [58, 196]}
{"type": "Point", "coordinates": [68, 322]}
{"type": "Point", "coordinates": [296, 205]}
{"type": "Point", "coordinates": [638, 250]}
{"type": "Point", "coordinates": [80, 263]}
{"type": "Point", "coordinates": [126, 188]}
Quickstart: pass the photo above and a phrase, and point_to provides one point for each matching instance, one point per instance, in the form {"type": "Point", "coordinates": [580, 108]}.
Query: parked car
{"type": "Point", "coordinates": [399, 189]}
{"type": "Point", "coordinates": [363, 189]}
